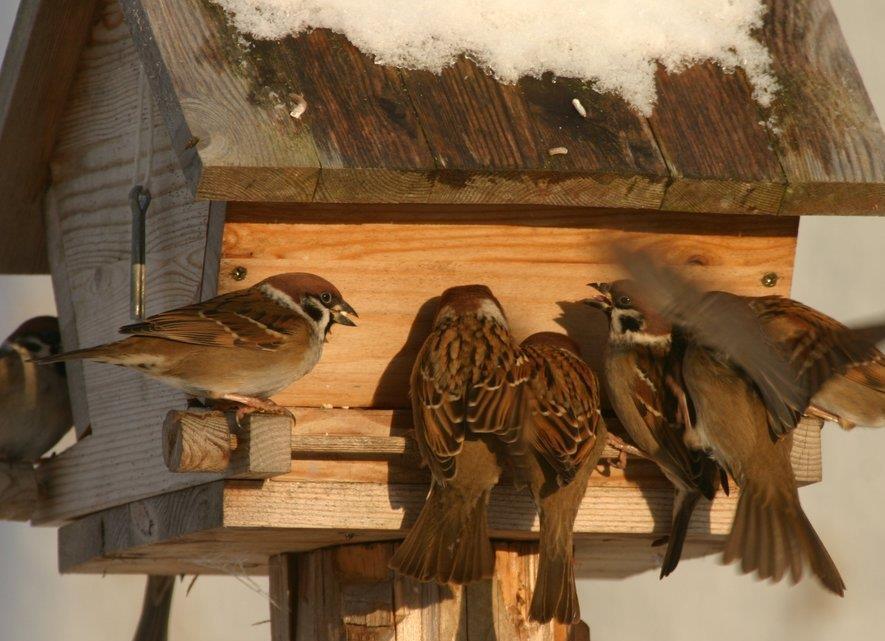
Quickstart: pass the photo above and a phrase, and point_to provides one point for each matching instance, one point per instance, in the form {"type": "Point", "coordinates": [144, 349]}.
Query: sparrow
{"type": "Point", "coordinates": [240, 347]}
{"type": "Point", "coordinates": [564, 435]}
{"type": "Point", "coordinates": [800, 360]}
{"type": "Point", "coordinates": [466, 394]}
{"type": "Point", "coordinates": [34, 407]}
{"type": "Point", "coordinates": [728, 418]}
{"type": "Point", "coordinates": [153, 624]}
{"type": "Point", "coordinates": [642, 375]}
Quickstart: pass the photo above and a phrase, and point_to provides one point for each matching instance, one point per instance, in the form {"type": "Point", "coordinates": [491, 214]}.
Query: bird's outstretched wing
{"type": "Point", "coordinates": [726, 324]}
{"type": "Point", "coordinates": [245, 318]}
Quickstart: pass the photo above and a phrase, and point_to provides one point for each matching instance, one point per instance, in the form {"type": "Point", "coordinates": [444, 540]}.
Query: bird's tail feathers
{"type": "Point", "coordinates": [101, 353]}
{"type": "Point", "coordinates": [771, 534]}
{"type": "Point", "coordinates": [554, 596]}
{"type": "Point", "coordinates": [449, 542]}
{"type": "Point", "coordinates": [683, 507]}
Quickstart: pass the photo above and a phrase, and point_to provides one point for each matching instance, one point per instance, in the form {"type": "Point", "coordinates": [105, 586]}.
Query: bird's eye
{"type": "Point", "coordinates": [326, 297]}
{"type": "Point", "coordinates": [624, 301]}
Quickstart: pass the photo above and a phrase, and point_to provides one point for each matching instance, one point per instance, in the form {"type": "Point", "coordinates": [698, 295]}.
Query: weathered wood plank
{"type": "Point", "coordinates": [37, 73]}
{"type": "Point", "coordinates": [491, 142]}
{"type": "Point", "coordinates": [231, 130]}
{"type": "Point", "coordinates": [537, 261]}
{"type": "Point", "coordinates": [715, 143]}
{"type": "Point", "coordinates": [282, 572]}
{"type": "Point", "coordinates": [368, 138]}
{"type": "Point", "coordinates": [829, 141]}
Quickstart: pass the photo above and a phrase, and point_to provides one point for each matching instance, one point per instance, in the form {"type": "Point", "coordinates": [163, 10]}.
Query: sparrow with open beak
{"type": "Point", "coordinates": [644, 387]}
{"type": "Point", "coordinates": [34, 408]}
{"type": "Point", "coordinates": [466, 405]}
{"type": "Point", "coordinates": [728, 417]}
{"type": "Point", "coordinates": [564, 435]}
{"type": "Point", "coordinates": [242, 347]}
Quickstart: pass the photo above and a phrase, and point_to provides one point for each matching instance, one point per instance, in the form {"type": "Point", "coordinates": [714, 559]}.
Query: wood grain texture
{"type": "Point", "coordinates": [282, 572]}
{"type": "Point", "coordinates": [348, 593]}
{"type": "Point", "coordinates": [462, 137]}
{"type": "Point", "coordinates": [711, 133]}
{"type": "Point", "coordinates": [389, 262]}
{"type": "Point", "coordinates": [828, 138]}
{"type": "Point", "coordinates": [92, 170]}
{"type": "Point", "coordinates": [18, 491]}
{"type": "Point", "coordinates": [37, 73]}
{"type": "Point", "coordinates": [210, 441]}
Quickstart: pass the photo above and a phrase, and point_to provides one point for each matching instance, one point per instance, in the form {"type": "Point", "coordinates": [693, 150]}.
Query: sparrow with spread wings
{"type": "Point", "coordinates": [564, 436]}
{"type": "Point", "coordinates": [241, 347]}
{"type": "Point", "coordinates": [466, 405]}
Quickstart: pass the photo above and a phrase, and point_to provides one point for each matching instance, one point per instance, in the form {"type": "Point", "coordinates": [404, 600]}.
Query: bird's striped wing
{"type": "Point", "coordinates": [244, 318]}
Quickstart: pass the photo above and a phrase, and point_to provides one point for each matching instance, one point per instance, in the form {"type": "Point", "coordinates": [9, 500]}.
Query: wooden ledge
{"type": "Point", "coordinates": [355, 478]}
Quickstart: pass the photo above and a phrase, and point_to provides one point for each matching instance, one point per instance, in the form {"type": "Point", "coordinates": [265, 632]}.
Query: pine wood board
{"type": "Point", "coordinates": [378, 134]}
{"type": "Point", "coordinates": [38, 69]}
{"type": "Point", "coordinates": [390, 262]}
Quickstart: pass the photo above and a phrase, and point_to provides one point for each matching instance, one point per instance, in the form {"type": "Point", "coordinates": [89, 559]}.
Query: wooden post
{"type": "Point", "coordinates": [18, 491]}
{"type": "Point", "coordinates": [212, 441]}
{"type": "Point", "coordinates": [348, 593]}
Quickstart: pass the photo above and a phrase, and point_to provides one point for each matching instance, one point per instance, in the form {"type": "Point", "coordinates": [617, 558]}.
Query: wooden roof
{"type": "Point", "coordinates": [380, 134]}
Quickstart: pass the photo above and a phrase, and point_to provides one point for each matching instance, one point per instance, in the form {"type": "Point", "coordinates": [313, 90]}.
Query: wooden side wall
{"type": "Point", "coordinates": [92, 173]}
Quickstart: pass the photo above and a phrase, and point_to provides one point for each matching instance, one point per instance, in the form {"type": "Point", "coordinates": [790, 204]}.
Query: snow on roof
{"type": "Point", "coordinates": [616, 44]}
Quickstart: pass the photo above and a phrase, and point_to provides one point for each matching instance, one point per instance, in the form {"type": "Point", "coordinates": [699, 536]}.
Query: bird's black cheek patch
{"type": "Point", "coordinates": [629, 324]}
{"type": "Point", "coordinates": [314, 312]}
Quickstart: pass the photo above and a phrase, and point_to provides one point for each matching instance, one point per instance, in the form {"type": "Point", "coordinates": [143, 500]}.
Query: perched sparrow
{"type": "Point", "coordinates": [466, 406]}
{"type": "Point", "coordinates": [153, 625]}
{"type": "Point", "coordinates": [642, 377]}
{"type": "Point", "coordinates": [243, 346]}
{"type": "Point", "coordinates": [728, 417]}
{"type": "Point", "coordinates": [564, 434]}
{"type": "Point", "coordinates": [34, 408]}
{"type": "Point", "coordinates": [818, 366]}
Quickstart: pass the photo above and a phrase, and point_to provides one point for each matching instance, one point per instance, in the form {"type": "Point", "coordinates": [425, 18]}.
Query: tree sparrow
{"type": "Point", "coordinates": [34, 407]}
{"type": "Point", "coordinates": [564, 435]}
{"type": "Point", "coordinates": [643, 382]}
{"type": "Point", "coordinates": [729, 419]}
{"type": "Point", "coordinates": [243, 346]}
{"type": "Point", "coordinates": [466, 406]}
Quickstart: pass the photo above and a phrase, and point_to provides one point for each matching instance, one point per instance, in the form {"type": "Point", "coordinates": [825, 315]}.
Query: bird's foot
{"type": "Point", "coordinates": [624, 449]}
{"type": "Point", "coordinates": [249, 405]}
{"type": "Point", "coordinates": [819, 412]}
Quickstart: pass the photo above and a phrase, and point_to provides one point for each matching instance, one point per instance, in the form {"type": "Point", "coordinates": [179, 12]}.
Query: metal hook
{"type": "Point", "coordinates": [139, 201]}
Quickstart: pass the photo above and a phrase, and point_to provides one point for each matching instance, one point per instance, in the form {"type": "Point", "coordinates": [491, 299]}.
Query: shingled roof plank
{"type": "Point", "coordinates": [714, 139]}
{"type": "Point", "coordinates": [370, 144]}
{"type": "Point", "coordinates": [38, 69]}
{"type": "Point", "coordinates": [491, 142]}
{"type": "Point", "coordinates": [830, 142]}
{"type": "Point", "coordinates": [232, 131]}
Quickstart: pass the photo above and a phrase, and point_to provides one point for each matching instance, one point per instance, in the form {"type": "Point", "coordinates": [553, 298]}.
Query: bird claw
{"type": "Point", "coordinates": [624, 449]}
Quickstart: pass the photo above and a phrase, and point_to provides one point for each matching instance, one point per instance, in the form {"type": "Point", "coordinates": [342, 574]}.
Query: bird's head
{"type": "Point", "coordinates": [312, 295]}
{"type": "Point", "coordinates": [36, 338]}
{"type": "Point", "coordinates": [630, 320]}
{"type": "Point", "coordinates": [470, 299]}
{"type": "Point", "coordinates": [553, 340]}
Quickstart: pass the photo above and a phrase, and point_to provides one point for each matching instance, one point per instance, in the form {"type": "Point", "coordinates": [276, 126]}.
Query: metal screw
{"type": "Point", "coordinates": [769, 279]}
{"type": "Point", "coordinates": [239, 273]}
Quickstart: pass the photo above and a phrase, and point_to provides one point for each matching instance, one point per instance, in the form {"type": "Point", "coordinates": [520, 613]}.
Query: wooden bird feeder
{"type": "Point", "coordinates": [394, 185]}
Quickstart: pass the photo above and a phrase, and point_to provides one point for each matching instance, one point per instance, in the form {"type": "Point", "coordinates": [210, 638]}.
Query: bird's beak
{"type": "Point", "coordinates": [601, 301]}
{"type": "Point", "coordinates": [342, 312]}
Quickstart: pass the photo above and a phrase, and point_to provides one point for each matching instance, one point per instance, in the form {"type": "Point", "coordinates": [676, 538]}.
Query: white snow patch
{"type": "Point", "coordinates": [616, 44]}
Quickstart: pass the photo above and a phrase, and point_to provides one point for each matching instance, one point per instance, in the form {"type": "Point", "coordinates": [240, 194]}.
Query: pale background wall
{"type": "Point", "coordinates": [840, 270]}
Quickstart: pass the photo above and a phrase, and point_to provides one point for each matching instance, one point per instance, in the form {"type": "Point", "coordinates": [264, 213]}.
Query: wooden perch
{"type": "Point", "coordinates": [18, 491]}
{"type": "Point", "coordinates": [212, 441]}
{"type": "Point", "coordinates": [349, 592]}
